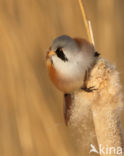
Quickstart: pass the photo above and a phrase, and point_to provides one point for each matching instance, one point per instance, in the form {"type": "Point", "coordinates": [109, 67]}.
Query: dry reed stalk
{"type": "Point", "coordinates": [105, 103]}
{"type": "Point", "coordinates": [101, 108]}
{"type": "Point", "coordinates": [87, 24]}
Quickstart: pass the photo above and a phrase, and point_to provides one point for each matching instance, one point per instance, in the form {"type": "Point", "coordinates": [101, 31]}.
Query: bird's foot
{"type": "Point", "coordinates": [90, 89]}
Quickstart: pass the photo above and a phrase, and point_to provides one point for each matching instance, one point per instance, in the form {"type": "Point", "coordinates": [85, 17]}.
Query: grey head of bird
{"type": "Point", "coordinates": [72, 54]}
{"type": "Point", "coordinates": [65, 47]}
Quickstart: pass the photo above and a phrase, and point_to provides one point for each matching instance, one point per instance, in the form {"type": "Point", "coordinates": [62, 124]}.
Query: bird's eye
{"type": "Point", "coordinates": [61, 55]}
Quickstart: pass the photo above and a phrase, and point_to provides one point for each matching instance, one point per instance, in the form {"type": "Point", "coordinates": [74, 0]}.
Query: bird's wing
{"type": "Point", "coordinates": [67, 107]}
{"type": "Point", "coordinates": [86, 45]}
{"type": "Point", "coordinates": [83, 43]}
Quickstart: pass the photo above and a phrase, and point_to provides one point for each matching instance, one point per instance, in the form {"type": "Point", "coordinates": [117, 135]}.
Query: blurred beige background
{"type": "Point", "coordinates": [31, 108]}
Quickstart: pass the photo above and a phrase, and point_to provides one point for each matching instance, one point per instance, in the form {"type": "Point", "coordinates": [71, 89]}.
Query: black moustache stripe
{"type": "Point", "coordinates": [61, 55]}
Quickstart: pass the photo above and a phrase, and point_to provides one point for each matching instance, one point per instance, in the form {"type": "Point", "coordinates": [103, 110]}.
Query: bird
{"type": "Point", "coordinates": [69, 61]}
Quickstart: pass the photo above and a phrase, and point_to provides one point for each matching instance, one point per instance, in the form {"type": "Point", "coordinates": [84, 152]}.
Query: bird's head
{"type": "Point", "coordinates": [67, 54]}
{"type": "Point", "coordinates": [63, 49]}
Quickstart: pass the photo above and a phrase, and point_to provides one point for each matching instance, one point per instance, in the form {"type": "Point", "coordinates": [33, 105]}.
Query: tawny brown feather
{"type": "Point", "coordinates": [81, 42]}
{"type": "Point", "coordinates": [67, 107]}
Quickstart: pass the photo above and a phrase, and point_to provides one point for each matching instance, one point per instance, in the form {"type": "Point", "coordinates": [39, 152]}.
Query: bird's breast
{"type": "Point", "coordinates": [62, 82]}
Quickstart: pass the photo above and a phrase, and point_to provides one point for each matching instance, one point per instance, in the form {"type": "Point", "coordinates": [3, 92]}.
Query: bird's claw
{"type": "Point", "coordinates": [90, 89]}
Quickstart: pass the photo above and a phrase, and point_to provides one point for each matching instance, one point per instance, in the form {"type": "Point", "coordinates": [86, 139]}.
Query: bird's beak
{"type": "Point", "coordinates": [50, 53]}
{"type": "Point", "coordinates": [48, 57]}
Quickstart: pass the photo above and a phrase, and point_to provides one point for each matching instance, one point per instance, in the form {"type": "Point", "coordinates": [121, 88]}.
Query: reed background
{"type": "Point", "coordinates": [31, 108]}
